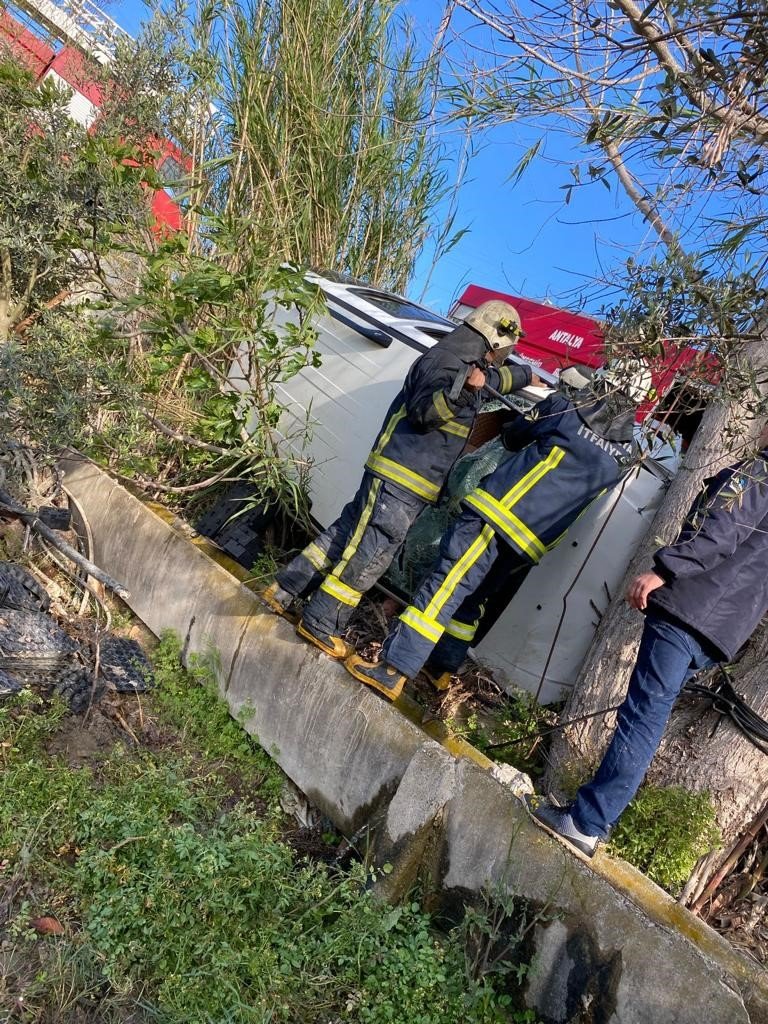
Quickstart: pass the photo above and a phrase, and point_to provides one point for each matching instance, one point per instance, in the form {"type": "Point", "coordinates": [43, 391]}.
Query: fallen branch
{"type": "Point", "coordinates": [731, 861]}
{"type": "Point", "coordinates": [155, 485]}
{"type": "Point", "coordinates": [21, 327]}
{"type": "Point", "coordinates": [185, 438]}
{"type": "Point", "coordinates": [7, 504]}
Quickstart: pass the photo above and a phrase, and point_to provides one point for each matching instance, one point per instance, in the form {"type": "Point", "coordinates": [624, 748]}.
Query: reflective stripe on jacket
{"type": "Point", "coordinates": [532, 498]}
{"type": "Point", "coordinates": [425, 430]}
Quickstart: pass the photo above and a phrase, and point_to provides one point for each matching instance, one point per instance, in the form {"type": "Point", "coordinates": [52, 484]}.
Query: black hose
{"type": "Point", "coordinates": [724, 700]}
{"type": "Point", "coordinates": [554, 728]}
{"type": "Point", "coordinates": [727, 702]}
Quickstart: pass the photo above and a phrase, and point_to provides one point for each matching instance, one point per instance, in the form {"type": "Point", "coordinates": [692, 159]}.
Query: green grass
{"type": "Point", "coordinates": [180, 899]}
{"type": "Point", "coordinates": [189, 704]}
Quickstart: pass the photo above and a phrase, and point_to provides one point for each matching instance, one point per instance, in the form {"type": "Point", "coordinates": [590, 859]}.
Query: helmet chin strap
{"type": "Point", "coordinates": [500, 354]}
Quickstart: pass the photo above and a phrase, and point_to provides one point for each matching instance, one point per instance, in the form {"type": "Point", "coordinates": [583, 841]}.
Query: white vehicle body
{"type": "Point", "coordinates": [366, 350]}
{"type": "Point", "coordinates": [345, 399]}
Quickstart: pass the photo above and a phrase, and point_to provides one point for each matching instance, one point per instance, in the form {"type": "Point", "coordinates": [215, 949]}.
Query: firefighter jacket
{"type": "Point", "coordinates": [425, 429]}
{"type": "Point", "coordinates": [716, 572]}
{"type": "Point", "coordinates": [532, 498]}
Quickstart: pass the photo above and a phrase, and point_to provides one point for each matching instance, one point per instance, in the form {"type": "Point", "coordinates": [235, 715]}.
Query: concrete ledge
{"type": "Point", "coordinates": [610, 947]}
{"type": "Point", "coordinates": [335, 739]}
{"type": "Point", "coordinates": [619, 945]}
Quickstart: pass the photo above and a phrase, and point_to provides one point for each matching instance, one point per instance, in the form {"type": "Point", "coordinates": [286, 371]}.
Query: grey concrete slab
{"type": "Point", "coordinates": [613, 949]}
{"type": "Point", "coordinates": [335, 739]}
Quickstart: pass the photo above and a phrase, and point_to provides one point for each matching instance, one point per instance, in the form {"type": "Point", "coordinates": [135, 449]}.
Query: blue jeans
{"type": "Point", "coordinates": [669, 655]}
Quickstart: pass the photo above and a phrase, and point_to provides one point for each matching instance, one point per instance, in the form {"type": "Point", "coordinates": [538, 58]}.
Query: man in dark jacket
{"type": "Point", "coordinates": [424, 432]}
{"type": "Point", "coordinates": [703, 599]}
{"type": "Point", "coordinates": [570, 449]}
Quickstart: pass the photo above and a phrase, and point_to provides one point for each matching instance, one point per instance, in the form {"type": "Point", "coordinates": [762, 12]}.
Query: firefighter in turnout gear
{"type": "Point", "coordinates": [424, 432]}
{"type": "Point", "coordinates": [571, 448]}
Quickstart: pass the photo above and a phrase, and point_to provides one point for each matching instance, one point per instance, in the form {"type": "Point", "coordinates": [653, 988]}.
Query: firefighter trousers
{"type": "Point", "coordinates": [352, 555]}
{"type": "Point", "coordinates": [445, 617]}
{"type": "Point", "coordinates": [479, 612]}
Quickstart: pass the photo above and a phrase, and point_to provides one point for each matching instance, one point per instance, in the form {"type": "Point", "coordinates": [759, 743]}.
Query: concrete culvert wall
{"type": "Point", "coordinates": [609, 946]}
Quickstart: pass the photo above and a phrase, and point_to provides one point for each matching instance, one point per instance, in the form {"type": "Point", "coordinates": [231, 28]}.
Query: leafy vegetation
{"type": "Point", "coordinates": [664, 831]}
{"type": "Point", "coordinates": [512, 732]}
{"type": "Point", "coordinates": [177, 899]}
{"type": "Point", "coordinates": [304, 134]}
{"type": "Point", "coordinates": [210, 369]}
{"type": "Point", "coordinates": [266, 566]}
{"type": "Point", "coordinates": [61, 190]}
{"type": "Point", "coordinates": [325, 111]}
{"type": "Point", "coordinates": [307, 128]}
{"type": "Point", "coordinates": [110, 327]}
{"type": "Point", "coordinates": [676, 129]}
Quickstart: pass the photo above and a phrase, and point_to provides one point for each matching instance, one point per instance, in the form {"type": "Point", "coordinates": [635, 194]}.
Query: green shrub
{"type": "Point", "coordinates": [222, 924]}
{"type": "Point", "coordinates": [664, 831]}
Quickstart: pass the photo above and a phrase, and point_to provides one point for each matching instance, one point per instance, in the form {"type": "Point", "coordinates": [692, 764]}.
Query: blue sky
{"type": "Point", "coordinates": [521, 238]}
{"type": "Point", "coordinates": [524, 238]}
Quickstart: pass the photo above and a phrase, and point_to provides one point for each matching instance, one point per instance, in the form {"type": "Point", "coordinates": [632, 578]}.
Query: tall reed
{"type": "Point", "coordinates": [322, 139]}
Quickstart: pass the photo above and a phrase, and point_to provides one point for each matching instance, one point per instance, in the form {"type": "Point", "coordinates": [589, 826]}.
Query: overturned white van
{"type": "Point", "coordinates": [367, 341]}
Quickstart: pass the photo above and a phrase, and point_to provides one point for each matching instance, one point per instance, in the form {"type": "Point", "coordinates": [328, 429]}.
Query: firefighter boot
{"type": "Point", "coordinates": [278, 600]}
{"type": "Point", "coordinates": [378, 674]}
{"type": "Point", "coordinates": [440, 678]}
{"type": "Point", "coordinates": [328, 643]}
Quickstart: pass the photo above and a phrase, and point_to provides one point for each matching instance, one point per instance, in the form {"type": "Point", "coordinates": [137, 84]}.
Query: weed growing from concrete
{"type": "Point", "coordinates": [266, 566]}
{"type": "Point", "coordinates": [497, 940]}
{"type": "Point", "coordinates": [510, 732]}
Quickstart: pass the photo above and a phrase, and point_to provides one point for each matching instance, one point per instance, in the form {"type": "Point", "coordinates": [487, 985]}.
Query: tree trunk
{"type": "Point", "coordinates": [703, 751]}
{"type": "Point", "coordinates": [603, 679]}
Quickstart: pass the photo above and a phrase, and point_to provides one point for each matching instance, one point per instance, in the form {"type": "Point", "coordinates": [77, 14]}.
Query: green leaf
{"type": "Point", "coordinates": [525, 160]}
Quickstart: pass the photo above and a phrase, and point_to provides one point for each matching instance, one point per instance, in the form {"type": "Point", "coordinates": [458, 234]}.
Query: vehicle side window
{"type": "Point", "coordinates": [396, 306]}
